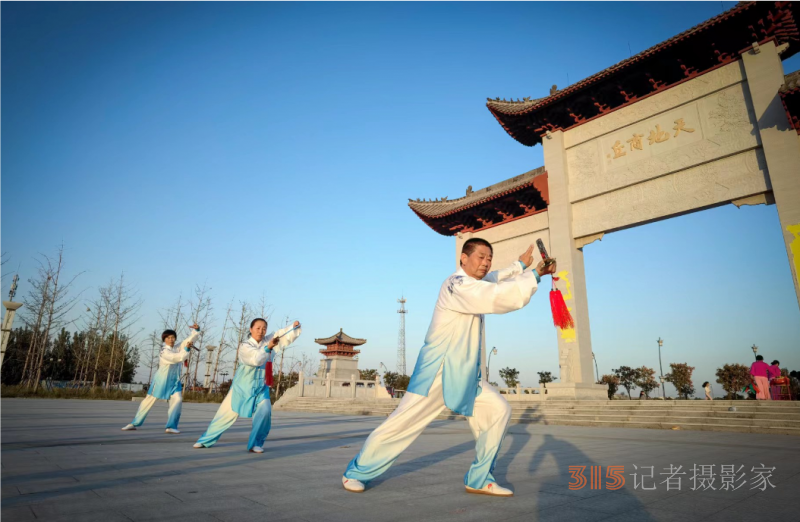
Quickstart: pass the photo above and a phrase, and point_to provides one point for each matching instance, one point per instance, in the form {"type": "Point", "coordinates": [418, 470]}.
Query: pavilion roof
{"type": "Point", "coordinates": [341, 337]}
{"type": "Point", "coordinates": [711, 44]}
{"type": "Point", "coordinates": [513, 198]}
{"type": "Point", "coordinates": [790, 97]}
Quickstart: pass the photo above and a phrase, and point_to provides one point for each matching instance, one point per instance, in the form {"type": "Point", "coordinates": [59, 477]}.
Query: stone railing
{"type": "Point", "coordinates": [523, 393]}
{"type": "Point", "coordinates": [330, 388]}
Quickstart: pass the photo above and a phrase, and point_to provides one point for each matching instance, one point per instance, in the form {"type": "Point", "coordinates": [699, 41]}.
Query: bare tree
{"type": "Point", "coordinates": [104, 307]}
{"type": "Point", "coordinates": [240, 332]}
{"type": "Point", "coordinates": [57, 304]}
{"type": "Point", "coordinates": [126, 306]}
{"type": "Point", "coordinates": [154, 359]}
{"type": "Point", "coordinates": [35, 306]}
{"type": "Point", "coordinates": [201, 313]}
{"type": "Point", "coordinates": [222, 346]}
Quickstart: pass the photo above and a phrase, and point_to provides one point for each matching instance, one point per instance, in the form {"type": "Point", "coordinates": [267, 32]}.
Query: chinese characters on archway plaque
{"type": "Point", "coordinates": [656, 136]}
{"type": "Point", "coordinates": [702, 477]}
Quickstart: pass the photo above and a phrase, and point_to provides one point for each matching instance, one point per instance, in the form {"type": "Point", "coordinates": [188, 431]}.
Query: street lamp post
{"type": "Point", "coordinates": [661, 368]}
{"type": "Point", "coordinates": [596, 371]}
{"type": "Point", "coordinates": [755, 351]}
{"type": "Point", "coordinates": [489, 361]}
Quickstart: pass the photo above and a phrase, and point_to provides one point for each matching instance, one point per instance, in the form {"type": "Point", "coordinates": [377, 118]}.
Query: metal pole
{"type": "Point", "coordinates": [755, 351]}
{"type": "Point", "coordinates": [489, 361]}
{"type": "Point", "coordinates": [596, 371]}
{"type": "Point", "coordinates": [661, 369]}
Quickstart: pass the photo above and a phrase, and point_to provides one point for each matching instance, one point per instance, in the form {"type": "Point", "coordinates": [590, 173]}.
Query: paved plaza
{"type": "Point", "coordinates": [68, 460]}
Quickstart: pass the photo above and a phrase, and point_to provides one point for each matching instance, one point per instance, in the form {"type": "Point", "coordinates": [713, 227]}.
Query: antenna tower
{"type": "Point", "coordinates": [401, 338]}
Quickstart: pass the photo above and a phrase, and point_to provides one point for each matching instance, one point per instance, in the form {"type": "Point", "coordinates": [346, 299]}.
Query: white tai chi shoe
{"type": "Point", "coordinates": [172, 431]}
{"type": "Point", "coordinates": [356, 486]}
{"type": "Point", "coordinates": [198, 445]}
{"type": "Point", "coordinates": [129, 427]}
{"type": "Point", "coordinates": [257, 449]}
{"type": "Point", "coordinates": [491, 489]}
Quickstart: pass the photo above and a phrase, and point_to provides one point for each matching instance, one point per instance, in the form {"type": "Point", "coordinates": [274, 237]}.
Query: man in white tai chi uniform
{"type": "Point", "coordinates": [448, 371]}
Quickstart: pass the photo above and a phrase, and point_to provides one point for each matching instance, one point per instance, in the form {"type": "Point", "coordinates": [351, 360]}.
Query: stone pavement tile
{"type": "Point", "coordinates": [49, 496]}
{"type": "Point", "coordinates": [40, 486]}
{"type": "Point", "coordinates": [535, 502]}
{"type": "Point", "coordinates": [94, 516]}
{"type": "Point", "coordinates": [693, 504]}
{"type": "Point", "coordinates": [751, 509]}
{"type": "Point", "coordinates": [646, 496]}
{"type": "Point", "coordinates": [650, 514]}
{"type": "Point", "coordinates": [17, 514]}
{"type": "Point", "coordinates": [476, 512]}
{"type": "Point", "coordinates": [611, 504]}
{"type": "Point", "coordinates": [130, 490]}
{"type": "Point", "coordinates": [58, 506]}
{"type": "Point", "coordinates": [737, 494]}
{"type": "Point", "coordinates": [564, 513]}
{"type": "Point", "coordinates": [9, 490]}
{"type": "Point", "coordinates": [144, 511]}
{"type": "Point", "coordinates": [563, 489]}
{"type": "Point", "coordinates": [253, 515]}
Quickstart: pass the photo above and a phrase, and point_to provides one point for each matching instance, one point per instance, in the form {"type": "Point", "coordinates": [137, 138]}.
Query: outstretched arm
{"type": "Point", "coordinates": [467, 295]}
{"type": "Point", "coordinates": [252, 356]}
{"type": "Point", "coordinates": [516, 268]}
{"type": "Point", "coordinates": [195, 333]}
{"type": "Point", "coordinates": [284, 337]}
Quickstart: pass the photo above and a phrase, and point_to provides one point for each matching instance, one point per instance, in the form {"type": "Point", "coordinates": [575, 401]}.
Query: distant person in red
{"type": "Point", "coordinates": [774, 373]}
{"type": "Point", "coordinates": [760, 372]}
{"type": "Point", "coordinates": [774, 370]}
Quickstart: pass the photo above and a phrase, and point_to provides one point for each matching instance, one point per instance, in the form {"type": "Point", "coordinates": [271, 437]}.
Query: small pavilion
{"type": "Point", "coordinates": [340, 356]}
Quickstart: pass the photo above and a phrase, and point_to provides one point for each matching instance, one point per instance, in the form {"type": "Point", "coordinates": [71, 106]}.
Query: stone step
{"type": "Point", "coordinates": [543, 408]}
{"type": "Point", "coordinates": [664, 419]}
{"type": "Point", "coordinates": [707, 405]}
{"type": "Point", "coordinates": [750, 417]}
{"type": "Point", "coordinates": [669, 424]}
{"type": "Point", "coordinates": [732, 418]}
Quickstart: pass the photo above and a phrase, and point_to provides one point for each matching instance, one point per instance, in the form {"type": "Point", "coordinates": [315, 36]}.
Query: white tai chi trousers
{"type": "Point", "coordinates": [488, 424]}
{"type": "Point", "coordinates": [174, 415]}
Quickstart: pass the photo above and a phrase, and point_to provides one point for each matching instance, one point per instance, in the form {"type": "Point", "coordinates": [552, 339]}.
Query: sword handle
{"type": "Point", "coordinates": [543, 251]}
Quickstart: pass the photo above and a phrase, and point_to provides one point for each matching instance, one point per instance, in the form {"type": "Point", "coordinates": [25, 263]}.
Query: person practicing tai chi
{"type": "Point", "coordinates": [450, 369]}
{"type": "Point", "coordinates": [249, 393]}
{"type": "Point", "coordinates": [167, 383]}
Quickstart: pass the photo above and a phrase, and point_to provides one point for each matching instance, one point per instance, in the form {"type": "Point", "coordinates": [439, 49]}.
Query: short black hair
{"type": "Point", "coordinates": [759, 357]}
{"type": "Point", "coordinates": [705, 384]}
{"type": "Point", "coordinates": [776, 362]}
{"type": "Point", "coordinates": [167, 333]}
{"type": "Point", "coordinates": [257, 319]}
{"type": "Point", "coordinates": [471, 244]}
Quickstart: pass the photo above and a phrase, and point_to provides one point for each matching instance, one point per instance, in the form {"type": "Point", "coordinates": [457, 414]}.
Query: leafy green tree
{"type": "Point", "coordinates": [681, 378]}
{"type": "Point", "coordinates": [545, 377]}
{"type": "Point", "coordinates": [613, 383]}
{"type": "Point", "coordinates": [646, 380]}
{"type": "Point", "coordinates": [396, 381]}
{"type": "Point", "coordinates": [627, 378]}
{"type": "Point", "coordinates": [509, 375]}
{"type": "Point", "coordinates": [733, 377]}
{"type": "Point", "coordinates": [368, 375]}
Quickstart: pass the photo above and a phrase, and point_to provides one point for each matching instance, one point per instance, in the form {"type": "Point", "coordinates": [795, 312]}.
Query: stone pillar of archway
{"type": "Point", "coordinates": [764, 72]}
{"type": "Point", "coordinates": [577, 380]}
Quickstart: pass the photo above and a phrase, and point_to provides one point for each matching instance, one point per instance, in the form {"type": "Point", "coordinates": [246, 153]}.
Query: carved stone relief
{"type": "Point", "coordinates": [699, 187]}
{"type": "Point", "coordinates": [718, 125]}
{"type": "Point", "coordinates": [660, 102]}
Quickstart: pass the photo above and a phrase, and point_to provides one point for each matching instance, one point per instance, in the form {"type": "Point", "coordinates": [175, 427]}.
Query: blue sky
{"type": "Point", "coordinates": [271, 148]}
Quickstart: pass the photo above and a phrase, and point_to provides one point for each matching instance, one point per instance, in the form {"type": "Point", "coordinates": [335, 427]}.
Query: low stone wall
{"type": "Point", "coordinates": [328, 388]}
